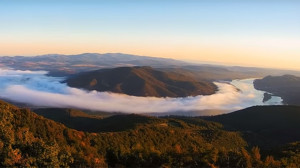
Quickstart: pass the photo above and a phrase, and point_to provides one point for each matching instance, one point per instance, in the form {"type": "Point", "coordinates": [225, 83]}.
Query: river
{"type": "Point", "coordinates": [246, 86]}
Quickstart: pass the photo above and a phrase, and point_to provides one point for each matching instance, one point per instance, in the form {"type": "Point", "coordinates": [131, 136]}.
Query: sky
{"type": "Point", "coordinates": [248, 33]}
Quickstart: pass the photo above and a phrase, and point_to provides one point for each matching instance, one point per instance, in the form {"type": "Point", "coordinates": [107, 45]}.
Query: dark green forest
{"type": "Point", "coordinates": [30, 140]}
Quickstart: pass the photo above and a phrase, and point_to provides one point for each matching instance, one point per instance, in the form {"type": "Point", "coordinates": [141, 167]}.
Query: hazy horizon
{"type": "Point", "coordinates": [247, 33]}
{"type": "Point", "coordinates": [185, 60]}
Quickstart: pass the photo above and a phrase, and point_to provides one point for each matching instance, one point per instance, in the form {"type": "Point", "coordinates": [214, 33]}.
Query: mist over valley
{"type": "Point", "coordinates": [37, 89]}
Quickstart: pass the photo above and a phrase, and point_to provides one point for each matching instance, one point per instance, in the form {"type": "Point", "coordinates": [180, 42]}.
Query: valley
{"type": "Point", "coordinates": [176, 93]}
{"type": "Point", "coordinates": [140, 116]}
{"type": "Point", "coordinates": [149, 84]}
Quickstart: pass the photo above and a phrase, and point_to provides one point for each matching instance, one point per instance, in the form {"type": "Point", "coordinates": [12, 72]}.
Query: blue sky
{"type": "Point", "coordinates": [235, 32]}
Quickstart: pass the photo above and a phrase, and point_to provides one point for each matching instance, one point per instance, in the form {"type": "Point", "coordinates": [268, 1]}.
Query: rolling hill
{"type": "Point", "coordinates": [141, 81]}
{"type": "Point", "coordinates": [286, 86]}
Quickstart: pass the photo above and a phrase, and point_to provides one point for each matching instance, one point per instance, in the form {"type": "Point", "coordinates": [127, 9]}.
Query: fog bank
{"type": "Point", "coordinates": [35, 88]}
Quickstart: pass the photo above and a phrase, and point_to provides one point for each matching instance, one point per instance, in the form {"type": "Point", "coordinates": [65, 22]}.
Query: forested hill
{"type": "Point", "coordinates": [28, 139]}
{"type": "Point", "coordinates": [142, 81]}
{"type": "Point", "coordinates": [96, 122]}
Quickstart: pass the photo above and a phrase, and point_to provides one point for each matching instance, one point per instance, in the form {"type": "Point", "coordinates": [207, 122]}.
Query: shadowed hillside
{"type": "Point", "coordinates": [267, 126]}
{"type": "Point", "coordinates": [141, 81]}
{"type": "Point", "coordinates": [64, 65]}
{"type": "Point", "coordinates": [286, 86]}
{"type": "Point", "coordinates": [94, 123]}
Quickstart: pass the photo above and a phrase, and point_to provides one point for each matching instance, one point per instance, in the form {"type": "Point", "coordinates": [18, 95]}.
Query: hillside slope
{"type": "Point", "coordinates": [141, 81]}
{"type": "Point", "coordinates": [29, 140]}
{"type": "Point", "coordinates": [267, 126]}
{"type": "Point", "coordinates": [82, 121]}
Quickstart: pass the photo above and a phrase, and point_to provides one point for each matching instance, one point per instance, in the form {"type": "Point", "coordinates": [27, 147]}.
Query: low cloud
{"type": "Point", "coordinates": [35, 88]}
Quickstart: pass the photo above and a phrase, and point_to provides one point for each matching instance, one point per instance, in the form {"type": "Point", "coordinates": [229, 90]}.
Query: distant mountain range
{"type": "Point", "coordinates": [286, 86]}
{"type": "Point", "coordinates": [63, 65]}
{"type": "Point", "coordinates": [141, 81]}
{"type": "Point", "coordinates": [69, 64]}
